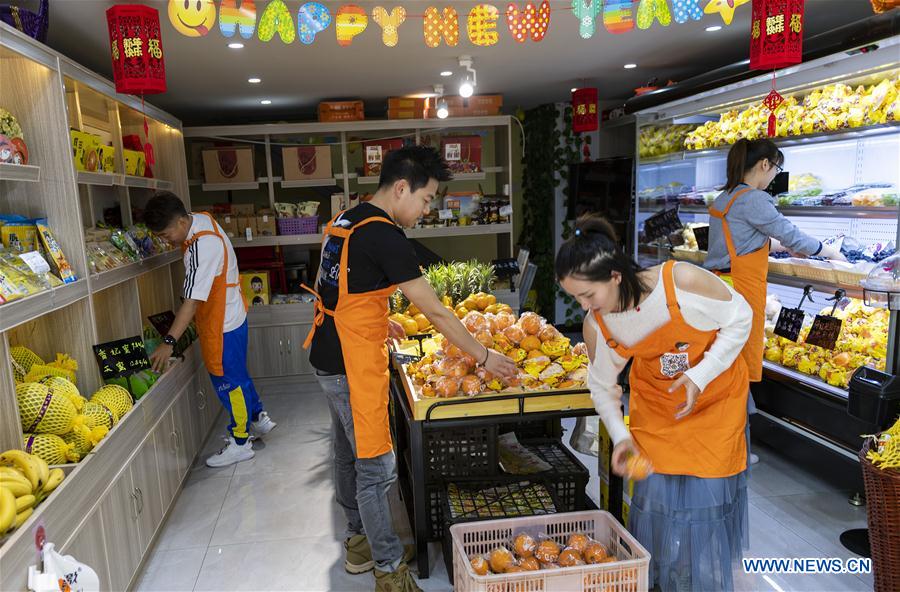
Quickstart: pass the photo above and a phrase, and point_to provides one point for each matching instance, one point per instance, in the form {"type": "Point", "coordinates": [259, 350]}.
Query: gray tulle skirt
{"type": "Point", "coordinates": [695, 529]}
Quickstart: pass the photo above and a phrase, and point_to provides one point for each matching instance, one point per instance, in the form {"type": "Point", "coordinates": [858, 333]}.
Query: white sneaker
{"type": "Point", "coordinates": [262, 426]}
{"type": "Point", "coordinates": [232, 453]}
{"type": "Point", "coordinates": [753, 459]}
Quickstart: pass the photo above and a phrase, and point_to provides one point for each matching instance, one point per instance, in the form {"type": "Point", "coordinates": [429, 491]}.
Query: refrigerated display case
{"type": "Point", "coordinates": [841, 142]}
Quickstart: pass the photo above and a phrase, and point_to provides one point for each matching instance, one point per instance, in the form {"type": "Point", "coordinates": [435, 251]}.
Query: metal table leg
{"type": "Point", "coordinates": [417, 478]}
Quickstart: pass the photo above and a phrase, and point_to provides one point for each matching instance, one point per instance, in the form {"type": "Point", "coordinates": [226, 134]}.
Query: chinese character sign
{"type": "Point", "coordinates": [585, 116]}
{"type": "Point", "coordinates": [776, 34]}
{"type": "Point", "coordinates": [122, 357]}
{"type": "Point", "coordinates": [136, 49]}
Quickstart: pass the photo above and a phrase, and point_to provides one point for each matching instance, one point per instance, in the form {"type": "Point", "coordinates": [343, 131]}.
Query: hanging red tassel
{"type": "Point", "coordinates": [771, 125]}
{"type": "Point", "coordinates": [772, 101]}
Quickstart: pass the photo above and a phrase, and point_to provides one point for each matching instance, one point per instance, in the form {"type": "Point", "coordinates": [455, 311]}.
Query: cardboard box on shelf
{"type": "Point", "coordinates": [229, 224]}
{"type": "Point", "coordinates": [306, 162]}
{"type": "Point", "coordinates": [135, 163]}
{"type": "Point", "coordinates": [407, 103]}
{"type": "Point", "coordinates": [265, 225]}
{"type": "Point", "coordinates": [462, 153]}
{"type": "Point", "coordinates": [107, 158]}
{"type": "Point", "coordinates": [374, 152]}
{"type": "Point", "coordinates": [85, 151]}
{"type": "Point", "coordinates": [341, 111]}
{"type": "Point", "coordinates": [245, 223]}
{"type": "Point", "coordinates": [231, 164]}
{"type": "Point", "coordinates": [406, 113]}
{"type": "Point", "coordinates": [242, 209]}
{"type": "Point", "coordinates": [255, 287]}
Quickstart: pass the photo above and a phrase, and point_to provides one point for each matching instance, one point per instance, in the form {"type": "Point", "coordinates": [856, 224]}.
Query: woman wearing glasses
{"type": "Point", "coordinates": [744, 226]}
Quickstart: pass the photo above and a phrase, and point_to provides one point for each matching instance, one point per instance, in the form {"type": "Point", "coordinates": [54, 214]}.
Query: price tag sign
{"type": "Point", "coordinates": [826, 329]}
{"type": "Point", "coordinates": [790, 320]}
{"type": "Point", "coordinates": [701, 233]}
{"type": "Point", "coordinates": [662, 224]}
{"type": "Point", "coordinates": [122, 357]}
{"type": "Point", "coordinates": [35, 262]}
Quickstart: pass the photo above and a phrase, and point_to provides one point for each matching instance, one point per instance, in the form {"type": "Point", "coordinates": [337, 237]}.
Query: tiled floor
{"type": "Point", "coordinates": [271, 523]}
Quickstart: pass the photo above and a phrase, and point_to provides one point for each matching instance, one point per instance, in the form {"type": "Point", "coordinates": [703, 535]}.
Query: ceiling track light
{"type": "Point", "coordinates": [467, 87]}
{"type": "Point", "coordinates": [441, 107]}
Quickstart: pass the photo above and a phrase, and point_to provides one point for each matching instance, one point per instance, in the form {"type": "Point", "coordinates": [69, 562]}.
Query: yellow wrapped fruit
{"type": "Point", "coordinates": [43, 410]}
{"type": "Point", "coordinates": [534, 366]}
{"type": "Point", "coordinates": [552, 374]}
{"type": "Point", "coordinates": [83, 439]}
{"type": "Point", "coordinates": [52, 449]}
{"type": "Point", "coordinates": [116, 398]}
{"type": "Point", "coordinates": [556, 347]}
{"type": "Point", "coordinates": [61, 385]}
{"type": "Point", "coordinates": [96, 415]}
{"type": "Point", "coordinates": [22, 360]}
{"type": "Point", "coordinates": [517, 355]}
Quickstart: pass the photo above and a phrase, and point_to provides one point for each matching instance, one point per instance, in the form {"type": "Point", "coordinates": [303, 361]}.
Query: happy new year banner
{"type": "Point", "coordinates": [438, 25]}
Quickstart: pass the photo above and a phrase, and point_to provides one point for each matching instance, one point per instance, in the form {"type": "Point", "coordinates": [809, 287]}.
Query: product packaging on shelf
{"type": "Point", "coordinates": [463, 205]}
{"type": "Point", "coordinates": [255, 287]}
{"type": "Point", "coordinates": [18, 234]}
{"type": "Point", "coordinates": [58, 261]}
{"type": "Point", "coordinates": [246, 226]}
{"type": "Point", "coordinates": [12, 140]}
{"type": "Point", "coordinates": [134, 162]}
{"type": "Point", "coordinates": [231, 164]}
{"type": "Point", "coordinates": [462, 153]}
{"type": "Point", "coordinates": [228, 223]}
{"type": "Point", "coordinates": [374, 152]}
{"type": "Point", "coordinates": [107, 159]}
{"type": "Point", "coordinates": [306, 162]}
{"type": "Point", "coordinates": [265, 225]}
{"type": "Point", "coordinates": [85, 150]}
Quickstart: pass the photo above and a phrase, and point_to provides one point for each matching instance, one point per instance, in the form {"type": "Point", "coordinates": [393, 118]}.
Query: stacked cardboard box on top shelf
{"type": "Point", "coordinates": [475, 106]}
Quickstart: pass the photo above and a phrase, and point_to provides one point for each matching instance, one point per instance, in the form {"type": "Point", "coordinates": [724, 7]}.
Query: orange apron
{"type": "Point", "coordinates": [210, 316]}
{"type": "Point", "coordinates": [361, 321]}
{"type": "Point", "coordinates": [708, 443]}
{"type": "Point", "coordinates": [749, 276]}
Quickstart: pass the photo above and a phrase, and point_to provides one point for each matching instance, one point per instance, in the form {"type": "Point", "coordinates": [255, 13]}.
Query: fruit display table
{"type": "Point", "coordinates": [424, 456]}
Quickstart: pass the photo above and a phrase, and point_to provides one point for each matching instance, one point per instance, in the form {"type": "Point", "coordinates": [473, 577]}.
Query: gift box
{"type": "Point", "coordinates": [375, 151]}
{"type": "Point", "coordinates": [228, 165]}
{"type": "Point", "coordinates": [306, 162]}
{"type": "Point", "coordinates": [255, 287]}
{"type": "Point", "coordinates": [135, 162]}
{"type": "Point", "coordinates": [462, 153]}
{"type": "Point", "coordinates": [407, 108]}
{"type": "Point", "coordinates": [246, 226]}
{"type": "Point", "coordinates": [265, 225]}
{"type": "Point", "coordinates": [228, 224]}
{"type": "Point", "coordinates": [85, 151]}
{"type": "Point", "coordinates": [107, 159]}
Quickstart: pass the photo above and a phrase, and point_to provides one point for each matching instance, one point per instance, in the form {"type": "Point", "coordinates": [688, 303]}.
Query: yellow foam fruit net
{"type": "Point", "coordinates": [116, 398]}
{"type": "Point", "coordinates": [66, 387]}
{"type": "Point", "coordinates": [887, 452]}
{"type": "Point", "coordinates": [51, 448]}
{"type": "Point", "coordinates": [63, 366]}
{"type": "Point", "coordinates": [97, 415]}
{"type": "Point", "coordinates": [43, 410]}
{"type": "Point", "coordinates": [22, 360]}
{"type": "Point", "coordinates": [83, 439]}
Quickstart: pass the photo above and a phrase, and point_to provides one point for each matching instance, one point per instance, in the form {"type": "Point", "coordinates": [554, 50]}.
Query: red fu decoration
{"type": "Point", "coordinates": [585, 117]}
{"type": "Point", "coordinates": [776, 41]}
{"type": "Point", "coordinates": [139, 67]}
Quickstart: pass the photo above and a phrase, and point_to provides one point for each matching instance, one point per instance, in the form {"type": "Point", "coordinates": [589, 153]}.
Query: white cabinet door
{"type": "Point", "coordinates": [183, 418]}
{"type": "Point", "coordinates": [120, 519]}
{"type": "Point", "coordinates": [296, 359]}
{"type": "Point", "coordinates": [213, 407]}
{"type": "Point", "coordinates": [89, 547]}
{"type": "Point", "coordinates": [145, 475]}
{"type": "Point", "coordinates": [164, 438]}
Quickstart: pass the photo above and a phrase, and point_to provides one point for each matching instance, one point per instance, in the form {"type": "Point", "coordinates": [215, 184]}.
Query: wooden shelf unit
{"type": "Point", "coordinates": [150, 451]}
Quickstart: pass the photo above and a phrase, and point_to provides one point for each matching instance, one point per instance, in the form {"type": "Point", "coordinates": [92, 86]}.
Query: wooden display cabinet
{"type": "Point", "coordinates": [111, 505]}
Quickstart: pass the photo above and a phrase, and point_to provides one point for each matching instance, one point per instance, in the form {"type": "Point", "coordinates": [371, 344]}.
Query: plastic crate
{"type": "Point", "coordinates": [815, 273]}
{"type": "Point", "coordinates": [435, 511]}
{"type": "Point", "coordinates": [460, 452]}
{"type": "Point", "coordinates": [849, 278]}
{"type": "Point", "coordinates": [304, 225]}
{"type": "Point", "coordinates": [569, 476]}
{"type": "Point", "coordinates": [530, 430]}
{"type": "Point", "coordinates": [781, 268]}
{"type": "Point", "coordinates": [629, 574]}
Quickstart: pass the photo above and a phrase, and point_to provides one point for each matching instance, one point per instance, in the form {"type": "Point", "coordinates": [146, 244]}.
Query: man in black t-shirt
{"type": "Point", "coordinates": [351, 360]}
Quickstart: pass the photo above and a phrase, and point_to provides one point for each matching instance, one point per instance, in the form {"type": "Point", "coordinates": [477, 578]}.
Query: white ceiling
{"type": "Point", "coordinates": [207, 82]}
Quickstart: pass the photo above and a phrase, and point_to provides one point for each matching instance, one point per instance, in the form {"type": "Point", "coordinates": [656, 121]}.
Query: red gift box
{"type": "Point", "coordinates": [462, 153]}
{"type": "Point", "coordinates": [374, 152]}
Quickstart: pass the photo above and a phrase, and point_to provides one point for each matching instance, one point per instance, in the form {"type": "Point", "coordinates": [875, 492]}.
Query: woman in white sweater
{"type": "Point", "coordinates": [684, 329]}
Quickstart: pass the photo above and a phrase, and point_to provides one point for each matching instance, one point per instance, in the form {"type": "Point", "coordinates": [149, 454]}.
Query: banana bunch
{"type": "Point", "coordinates": [25, 481]}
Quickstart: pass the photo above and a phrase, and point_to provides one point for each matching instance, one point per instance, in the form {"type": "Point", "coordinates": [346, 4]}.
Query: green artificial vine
{"type": "Point", "coordinates": [573, 143]}
{"type": "Point", "coordinates": [549, 151]}
{"type": "Point", "coordinates": [538, 187]}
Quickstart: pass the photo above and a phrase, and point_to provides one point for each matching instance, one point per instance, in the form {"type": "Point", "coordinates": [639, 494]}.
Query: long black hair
{"type": "Point", "coordinates": [593, 254]}
{"type": "Point", "coordinates": [744, 155]}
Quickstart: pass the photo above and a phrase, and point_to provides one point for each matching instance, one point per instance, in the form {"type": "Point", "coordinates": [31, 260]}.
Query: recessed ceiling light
{"type": "Point", "coordinates": [254, 80]}
{"type": "Point", "coordinates": [630, 66]}
{"type": "Point", "coordinates": [446, 73]}
{"type": "Point", "coordinates": [265, 102]}
{"type": "Point", "coordinates": [236, 46]}
{"type": "Point", "coordinates": [713, 28]}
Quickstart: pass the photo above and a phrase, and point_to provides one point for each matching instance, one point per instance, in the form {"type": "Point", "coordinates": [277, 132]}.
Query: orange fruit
{"type": "Point", "coordinates": [410, 327]}
{"type": "Point", "coordinates": [413, 310]}
{"type": "Point", "coordinates": [483, 301]}
{"type": "Point", "coordinates": [479, 565]}
{"type": "Point", "coordinates": [547, 551]}
{"type": "Point", "coordinates": [531, 343]}
{"type": "Point", "coordinates": [471, 385]}
{"type": "Point", "coordinates": [524, 545]}
{"type": "Point", "coordinates": [492, 309]}
{"type": "Point", "coordinates": [530, 323]}
{"type": "Point", "coordinates": [485, 338]}
{"type": "Point", "coordinates": [514, 334]}
{"type": "Point", "coordinates": [447, 386]}
{"type": "Point", "coordinates": [501, 560]}
{"type": "Point", "coordinates": [422, 321]}
{"type": "Point", "coordinates": [530, 564]}
{"type": "Point", "coordinates": [570, 557]}
{"type": "Point", "coordinates": [578, 542]}
{"type": "Point", "coordinates": [461, 312]}
{"type": "Point", "coordinates": [594, 552]}
{"type": "Point", "coordinates": [638, 467]}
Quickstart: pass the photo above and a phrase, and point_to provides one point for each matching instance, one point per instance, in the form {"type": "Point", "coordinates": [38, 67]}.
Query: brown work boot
{"type": "Point", "coordinates": [359, 555]}
{"type": "Point", "coordinates": [397, 581]}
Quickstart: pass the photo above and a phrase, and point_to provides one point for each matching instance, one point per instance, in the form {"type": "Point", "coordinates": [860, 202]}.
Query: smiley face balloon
{"type": "Point", "coordinates": [192, 18]}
